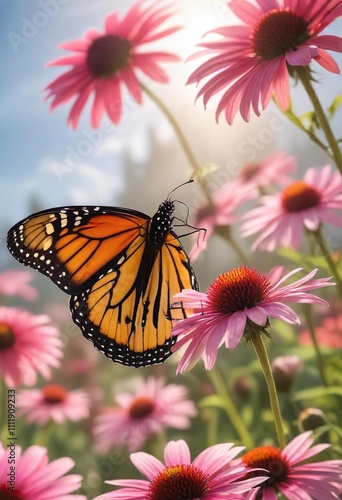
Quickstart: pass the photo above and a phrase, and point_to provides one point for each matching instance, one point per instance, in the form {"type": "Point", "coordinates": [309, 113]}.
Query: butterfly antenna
{"type": "Point", "coordinates": [180, 185]}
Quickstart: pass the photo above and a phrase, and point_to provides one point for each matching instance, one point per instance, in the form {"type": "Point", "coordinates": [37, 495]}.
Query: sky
{"type": "Point", "coordinates": [45, 163]}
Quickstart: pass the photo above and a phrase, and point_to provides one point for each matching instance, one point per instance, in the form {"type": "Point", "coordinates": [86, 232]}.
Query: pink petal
{"type": "Point", "coordinates": [177, 453]}
{"type": "Point", "coordinates": [147, 464]}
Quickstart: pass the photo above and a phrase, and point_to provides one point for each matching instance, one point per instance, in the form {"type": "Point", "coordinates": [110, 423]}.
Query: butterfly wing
{"type": "Point", "coordinates": [72, 244]}
{"type": "Point", "coordinates": [121, 284]}
{"type": "Point", "coordinates": [126, 313]}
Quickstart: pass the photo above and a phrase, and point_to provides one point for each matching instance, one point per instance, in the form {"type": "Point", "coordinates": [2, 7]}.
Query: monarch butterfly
{"type": "Point", "coordinates": [121, 268]}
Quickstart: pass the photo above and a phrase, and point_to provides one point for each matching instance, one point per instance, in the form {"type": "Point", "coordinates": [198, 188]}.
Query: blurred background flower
{"type": "Point", "coordinates": [153, 407]}
{"type": "Point", "coordinates": [35, 477]}
{"type": "Point", "coordinates": [29, 345]}
{"type": "Point", "coordinates": [304, 204]}
{"type": "Point", "coordinates": [17, 283]}
{"type": "Point", "coordinates": [53, 402]}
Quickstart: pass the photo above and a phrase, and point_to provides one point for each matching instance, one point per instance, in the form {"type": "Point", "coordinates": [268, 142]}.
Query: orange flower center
{"type": "Point", "coordinates": [7, 337]}
{"type": "Point", "coordinates": [141, 407]}
{"type": "Point", "coordinates": [237, 290]}
{"type": "Point", "coordinates": [54, 393]}
{"type": "Point", "coordinates": [249, 171]}
{"type": "Point", "coordinates": [300, 196]}
{"type": "Point", "coordinates": [269, 458]}
{"type": "Point", "coordinates": [6, 494]}
{"type": "Point", "coordinates": [181, 482]}
{"type": "Point", "coordinates": [107, 55]}
{"type": "Point", "coordinates": [279, 32]}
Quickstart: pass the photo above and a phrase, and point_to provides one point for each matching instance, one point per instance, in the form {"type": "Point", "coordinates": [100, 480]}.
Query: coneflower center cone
{"type": "Point", "coordinates": [300, 196]}
{"type": "Point", "coordinates": [7, 337]}
{"type": "Point", "coordinates": [279, 32]}
{"type": "Point", "coordinates": [269, 458]}
{"type": "Point", "coordinates": [237, 290]}
{"type": "Point", "coordinates": [141, 407]}
{"type": "Point", "coordinates": [5, 494]}
{"type": "Point", "coordinates": [181, 482]}
{"type": "Point", "coordinates": [54, 393]}
{"type": "Point", "coordinates": [107, 55]}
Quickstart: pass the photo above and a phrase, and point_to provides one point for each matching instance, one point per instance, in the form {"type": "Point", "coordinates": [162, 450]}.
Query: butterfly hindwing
{"type": "Point", "coordinates": [130, 320]}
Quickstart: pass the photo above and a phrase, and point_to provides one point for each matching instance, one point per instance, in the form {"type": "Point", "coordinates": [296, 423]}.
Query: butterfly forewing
{"type": "Point", "coordinates": [71, 245]}
{"type": "Point", "coordinates": [120, 267]}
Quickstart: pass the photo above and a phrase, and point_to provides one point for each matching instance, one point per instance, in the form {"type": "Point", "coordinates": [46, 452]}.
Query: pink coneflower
{"type": "Point", "coordinates": [34, 477]}
{"type": "Point", "coordinates": [220, 212]}
{"type": "Point", "coordinates": [236, 303]}
{"type": "Point", "coordinates": [273, 170]}
{"type": "Point", "coordinates": [303, 204]}
{"type": "Point", "coordinates": [210, 476]}
{"type": "Point", "coordinates": [29, 345]}
{"type": "Point", "coordinates": [103, 62]}
{"type": "Point", "coordinates": [153, 407]}
{"type": "Point", "coordinates": [290, 476]}
{"type": "Point", "coordinates": [252, 61]}
{"type": "Point", "coordinates": [14, 282]}
{"type": "Point", "coordinates": [329, 333]}
{"type": "Point", "coordinates": [53, 402]}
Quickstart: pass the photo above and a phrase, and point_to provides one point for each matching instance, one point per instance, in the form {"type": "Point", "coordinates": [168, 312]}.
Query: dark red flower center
{"type": "Point", "coordinates": [279, 32]}
{"type": "Point", "coordinates": [141, 407]}
{"type": "Point", "coordinates": [181, 482]}
{"type": "Point", "coordinates": [107, 55]}
{"type": "Point", "coordinates": [300, 196]}
{"type": "Point", "coordinates": [54, 393]}
{"type": "Point", "coordinates": [6, 494]}
{"type": "Point", "coordinates": [7, 337]}
{"type": "Point", "coordinates": [249, 171]}
{"type": "Point", "coordinates": [269, 458]}
{"type": "Point", "coordinates": [237, 290]}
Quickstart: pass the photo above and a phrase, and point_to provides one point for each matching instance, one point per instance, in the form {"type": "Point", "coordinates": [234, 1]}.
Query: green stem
{"type": "Point", "coordinates": [260, 349]}
{"type": "Point", "coordinates": [233, 414]}
{"type": "Point", "coordinates": [319, 358]}
{"type": "Point", "coordinates": [181, 137]}
{"type": "Point", "coordinates": [327, 255]}
{"type": "Point", "coordinates": [296, 121]}
{"type": "Point", "coordinates": [3, 411]}
{"type": "Point", "coordinates": [44, 434]}
{"type": "Point", "coordinates": [304, 76]}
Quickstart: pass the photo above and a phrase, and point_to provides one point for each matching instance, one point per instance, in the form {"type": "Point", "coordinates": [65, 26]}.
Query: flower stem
{"type": "Point", "coordinates": [3, 411]}
{"type": "Point", "coordinates": [230, 408]}
{"type": "Point", "coordinates": [319, 358]}
{"type": "Point", "coordinates": [224, 232]}
{"type": "Point", "coordinates": [327, 255]}
{"type": "Point", "coordinates": [173, 122]}
{"type": "Point", "coordinates": [304, 77]}
{"type": "Point", "coordinates": [260, 349]}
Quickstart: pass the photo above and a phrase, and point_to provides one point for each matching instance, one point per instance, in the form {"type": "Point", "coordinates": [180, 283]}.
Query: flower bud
{"type": "Point", "coordinates": [311, 418]}
{"type": "Point", "coordinates": [284, 369]}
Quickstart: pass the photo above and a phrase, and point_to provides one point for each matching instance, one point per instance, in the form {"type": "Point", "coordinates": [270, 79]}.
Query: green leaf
{"type": "Point", "coordinates": [304, 261]}
{"type": "Point", "coordinates": [337, 102]}
{"type": "Point", "coordinates": [212, 400]}
{"type": "Point", "coordinates": [317, 392]}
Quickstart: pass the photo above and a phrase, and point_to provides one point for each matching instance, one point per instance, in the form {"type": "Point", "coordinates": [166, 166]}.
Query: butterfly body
{"type": "Point", "coordinates": [121, 268]}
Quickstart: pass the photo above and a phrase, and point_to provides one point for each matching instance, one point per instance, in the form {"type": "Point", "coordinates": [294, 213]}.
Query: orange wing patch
{"type": "Point", "coordinates": [129, 322]}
